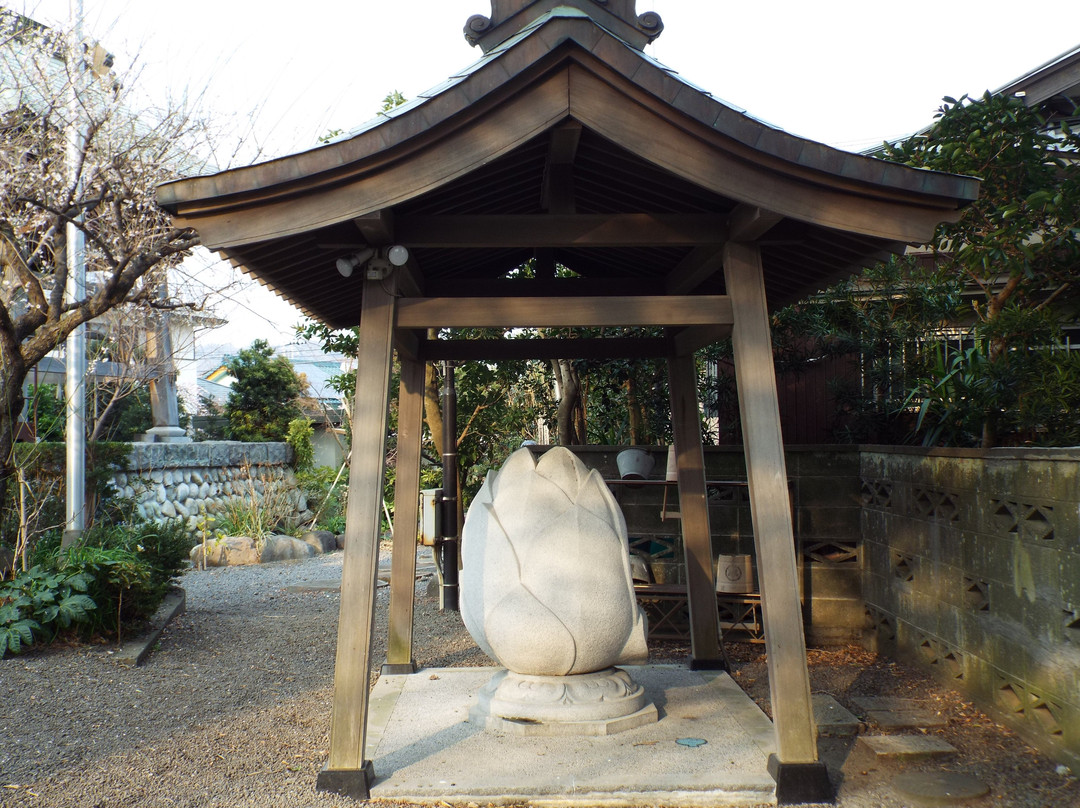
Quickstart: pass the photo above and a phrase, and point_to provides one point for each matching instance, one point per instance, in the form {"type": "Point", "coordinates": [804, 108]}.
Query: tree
{"type": "Point", "coordinates": [1018, 245]}
{"type": "Point", "coordinates": [264, 397]}
{"type": "Point", "coordinates": [104, 187]}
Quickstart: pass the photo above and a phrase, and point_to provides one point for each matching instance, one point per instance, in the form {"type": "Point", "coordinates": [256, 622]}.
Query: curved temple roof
{"type": "Point", "coordinates": [565, 142]}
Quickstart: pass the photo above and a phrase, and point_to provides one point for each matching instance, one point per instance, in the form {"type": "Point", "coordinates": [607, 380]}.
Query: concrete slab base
{"type": "Point", "coordinates": [424, 749]}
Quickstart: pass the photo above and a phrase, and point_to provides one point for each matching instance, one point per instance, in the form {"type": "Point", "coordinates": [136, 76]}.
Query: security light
{"type": "Point", "coordinates": [346, 265]}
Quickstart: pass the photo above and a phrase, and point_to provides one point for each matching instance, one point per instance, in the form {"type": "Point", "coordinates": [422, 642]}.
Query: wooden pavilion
{"type": "Point", "coordinates": [565, 143]}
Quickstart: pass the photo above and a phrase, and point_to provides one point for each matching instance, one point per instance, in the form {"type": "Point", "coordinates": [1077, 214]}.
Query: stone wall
{"type": "Point", "coordinates": [972, 569]}
{"type": "Point", "coordinates": [176, 480]}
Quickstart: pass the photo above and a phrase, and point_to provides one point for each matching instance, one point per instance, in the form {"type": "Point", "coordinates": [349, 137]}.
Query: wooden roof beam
{"type": "Point", "coordinates": [749, 222]}
{"type": "Point", "coordinates": [561, 230]}
{"type": "Point", "coordinates": [559, 312]}
{"type": "Point", "coordinates": [376, 227]}
{"type": "Point", "coordinates": [700, 265]}
{"type": "Point", "coordinates": [688, 340]}
{"type": "Point", "coordinates": [557, 195]}
{"type": "Point", "coordinates": [744, 223]}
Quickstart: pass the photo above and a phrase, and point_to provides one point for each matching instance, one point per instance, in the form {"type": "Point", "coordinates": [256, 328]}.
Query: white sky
{"type": "Point", "coordinates": [850, 73]}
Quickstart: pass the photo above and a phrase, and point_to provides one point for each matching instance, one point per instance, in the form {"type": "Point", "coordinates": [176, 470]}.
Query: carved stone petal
{"type": "Point", "coordinates": [576, 570]}
{"type": "Point", "coordinates": [518, 483]}
{"type": "Point", "coordinates": [546, 649]}
{"type": "Point", "coordinates": [491, 568]}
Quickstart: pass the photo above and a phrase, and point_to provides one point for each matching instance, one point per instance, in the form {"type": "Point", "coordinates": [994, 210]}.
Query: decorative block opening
{"type": "Point", "coordinates": [831, 552]}
{"type": "Point", "coordinates": [1010, 698]}
{"type": "Point", "coordinates": [903, 566]}
{"type": "Point", "coordinates": [928, 650]}
{"type": "Point", "coordinates": [877, 493]}
{"type": "Point", "coordinates": [1045, 716]}
{"type": "Point", "coordinates": [976, 594]}
{"type": "Point", "coordinates": [953, 662]}
{"type": "Point", "coordinates": [1033, 522]}
{"type": "Point", "coordinates": [881, 624]}
{"type": "Point", "coordinates": [1039, 524]}
{"type": "Point", "coordinates": [1072, 625]}
{"type": "Point", "coordinates": [1003, 515]}
{"type": "Point", "coordinates": [937, 504]}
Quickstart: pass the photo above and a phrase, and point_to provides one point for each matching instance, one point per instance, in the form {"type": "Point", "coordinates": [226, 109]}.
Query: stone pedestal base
{"type": "Point", "coordinates": [165, 434]}
{"type": "Point", "coordinates": [600, 703]}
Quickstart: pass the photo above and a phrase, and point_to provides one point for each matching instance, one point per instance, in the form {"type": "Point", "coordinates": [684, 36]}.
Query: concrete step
{"type": "Point", "coordinates": [904, 748]}
{"type": "Point", "coordinates": [832, 718]}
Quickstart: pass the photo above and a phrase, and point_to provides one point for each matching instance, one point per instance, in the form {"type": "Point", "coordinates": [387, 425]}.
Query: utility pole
{"type": "Point", "coordinates": [75, 290]}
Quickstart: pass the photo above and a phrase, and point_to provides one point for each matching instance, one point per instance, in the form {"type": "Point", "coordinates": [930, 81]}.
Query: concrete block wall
{"type": "Point", "coordinates": [827, 505]}
{"type": "Point", "coordinates": [178, 480]}
{"type": "Point", "coordinates": [972, 570]}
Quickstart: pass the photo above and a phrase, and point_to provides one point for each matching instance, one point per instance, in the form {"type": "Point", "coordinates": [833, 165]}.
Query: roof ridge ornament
{"type": "Point", "coordinates": [508, 17]}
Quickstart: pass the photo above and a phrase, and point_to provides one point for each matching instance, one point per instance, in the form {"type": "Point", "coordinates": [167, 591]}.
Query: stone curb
{"type": "Point", "coordinates": [134, 652]}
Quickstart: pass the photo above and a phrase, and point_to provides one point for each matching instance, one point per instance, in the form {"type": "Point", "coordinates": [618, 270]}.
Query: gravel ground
{"type": "Point", "coordinates": [233, 707]}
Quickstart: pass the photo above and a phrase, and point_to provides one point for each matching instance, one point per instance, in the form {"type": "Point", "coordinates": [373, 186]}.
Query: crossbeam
{"type": "Point", "coordinates": [496, 349]}
{"type": "Point", "coordinates": [563, 312]}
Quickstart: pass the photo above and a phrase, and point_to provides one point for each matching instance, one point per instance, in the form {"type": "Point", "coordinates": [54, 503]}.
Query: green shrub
{"type": "Point", "coordinates": [38, 603]}
{"type": "Point", "coordinates": [299, 438]}
{"type": "Point", "coordinates": [133, 565]}
{"type": "Point", "coordinates": [111, 572]}
{"type": "Point", "coordinates": [325, 498]}
{"type": "Point", "coordinates": [130, 568]}
{"type": "Point", "coordinates": [41, 468]}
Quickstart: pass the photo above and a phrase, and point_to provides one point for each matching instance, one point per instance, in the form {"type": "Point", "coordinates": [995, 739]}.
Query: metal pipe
{"type": "Point", "coordinates": [75, 291]}
{"type": "Point", "coordinates": [448, 547]}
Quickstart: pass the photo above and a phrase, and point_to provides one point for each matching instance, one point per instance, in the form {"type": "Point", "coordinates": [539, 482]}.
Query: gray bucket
{"type": "Point", "coordinates": [735, 574]}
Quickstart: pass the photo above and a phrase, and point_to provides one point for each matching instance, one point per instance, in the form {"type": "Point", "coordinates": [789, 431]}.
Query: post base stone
{"type": "Point", "coordinates": [801, 783]}
{"type": "Point", "coordinates": [708, 664]}
{"type": "Point", "coordinates": [354, 783]}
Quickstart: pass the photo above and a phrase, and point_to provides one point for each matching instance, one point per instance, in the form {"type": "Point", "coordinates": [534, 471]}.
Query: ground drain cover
{"type": "Point", "coordinates": [693, 743]}
{"type": "Point", "coordinates": [939, 788]}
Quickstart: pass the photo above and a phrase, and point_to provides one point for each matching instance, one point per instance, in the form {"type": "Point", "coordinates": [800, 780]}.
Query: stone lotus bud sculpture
{"type": "Point", "coordinates": [546, 586]}
{"type": "Point", "coordinates": [546, 592]}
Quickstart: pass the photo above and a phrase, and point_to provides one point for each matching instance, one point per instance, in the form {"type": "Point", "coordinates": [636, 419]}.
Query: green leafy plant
{"type": "Point", "coordinates": [111, 572]}
{"type": "Point", "coordinates": [1016, 247]}
{"type": "Point", "coordinates": [325, 490]}
{"type": "Point", "coordinates": [38, 603]}
{"type": "Point", "coordinates": [264, 505]}
{"type": "Point", "coordinates": [131, 567]}
{"type": "Point", "coordinates": [299, 437]}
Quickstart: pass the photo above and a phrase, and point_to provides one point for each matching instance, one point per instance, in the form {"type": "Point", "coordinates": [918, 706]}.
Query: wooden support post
{"type": "Point", "coordinates": [799, 775]}
{"type": "Point", "coordinates": [347, 771]}
{"type": "Point", "coordinates": [697, 542]}
{"type": "Point", "coordinates": [406, 515]}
